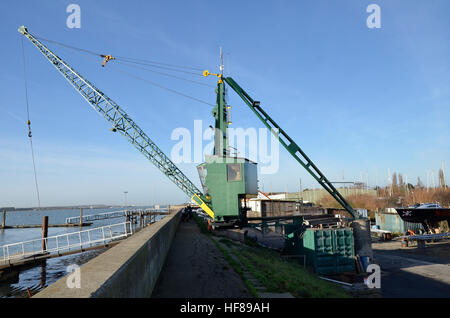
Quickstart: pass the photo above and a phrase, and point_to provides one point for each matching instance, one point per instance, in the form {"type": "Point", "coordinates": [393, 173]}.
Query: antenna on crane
{"type": "Point", "coordinates": [220, 74]}
{"type": "Point", "coordinates": [221, 61]}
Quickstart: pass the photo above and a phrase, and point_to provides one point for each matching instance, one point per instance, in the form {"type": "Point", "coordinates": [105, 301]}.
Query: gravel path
{"type": "Point", "coordinates": [195, 268]}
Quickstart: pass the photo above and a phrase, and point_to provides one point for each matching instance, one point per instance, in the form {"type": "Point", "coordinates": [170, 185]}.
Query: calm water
{"type": "Point", "coordinates": [39, 276]}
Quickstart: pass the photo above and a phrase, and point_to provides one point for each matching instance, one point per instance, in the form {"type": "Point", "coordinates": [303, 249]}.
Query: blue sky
{"type": "Point", "coordinates": [357, 100]}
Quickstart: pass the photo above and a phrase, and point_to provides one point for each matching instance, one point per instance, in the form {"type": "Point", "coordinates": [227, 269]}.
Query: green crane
{"type": "Point", "coordinates": [122, 123]}
{"type": "Point", "coordinates": [285, 140]}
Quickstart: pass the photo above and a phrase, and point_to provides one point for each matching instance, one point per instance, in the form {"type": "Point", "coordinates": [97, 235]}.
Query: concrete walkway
{"type": "Point", "coordinates": [411, 274]}
{"type": "Point", "coordinates": [195, 268]}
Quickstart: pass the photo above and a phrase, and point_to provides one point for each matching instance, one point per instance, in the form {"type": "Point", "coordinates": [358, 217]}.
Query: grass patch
{"type": "Point", "coordinates": [201, 224]}
{"type": "Point", "coordinates": [279, 275]}
{"type": "Point", "coordinates": [228, 243]}
{"type": "Point", "coordinates": [251, 288]}
{"type": "Point", "coordinates": [229, 259]}
{"type": "Point", "coordinates": [250, 242]}
{"type": "Point", "coordinates": [276, 274]}
{"type": "Point", "coordinates": [236, 266]}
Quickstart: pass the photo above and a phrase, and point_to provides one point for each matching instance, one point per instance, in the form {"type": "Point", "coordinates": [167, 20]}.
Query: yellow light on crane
{"type": "Point", "coordinates": [106, 59]}
{"type": "Point", "coordinates": [207, 73]}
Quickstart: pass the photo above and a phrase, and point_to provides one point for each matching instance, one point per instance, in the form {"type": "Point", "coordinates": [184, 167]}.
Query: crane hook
{"type": "Point", "coordinates": [29, 128]}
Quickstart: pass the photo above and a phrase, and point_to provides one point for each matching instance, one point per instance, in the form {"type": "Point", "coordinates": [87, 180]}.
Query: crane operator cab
{"type": "Point", "coordinates": [227, 182]}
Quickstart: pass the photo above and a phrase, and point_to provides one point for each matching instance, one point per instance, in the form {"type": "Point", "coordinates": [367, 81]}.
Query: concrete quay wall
{"type": "Point", "coordinates": [129, 269]}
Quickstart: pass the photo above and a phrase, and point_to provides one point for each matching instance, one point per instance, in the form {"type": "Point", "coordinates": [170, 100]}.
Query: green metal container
{"type": "Point", "coordinates": [292, 236]}
{"type": "Point", "coordinates": [393, 222]}
{"type": "Point", "coordinates": [329, 251]}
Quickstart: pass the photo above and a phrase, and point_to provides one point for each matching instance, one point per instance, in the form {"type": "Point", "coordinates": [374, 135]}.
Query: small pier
{"type": "Point", "coordinates": [53, 246]}
{"type": "Point", "coordinates": [115, 214]}
{"type": "Point", "coordinates": [27, 252]}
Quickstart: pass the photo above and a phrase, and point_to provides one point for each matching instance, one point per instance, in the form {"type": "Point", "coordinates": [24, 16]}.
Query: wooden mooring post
{"type": "Point", "coordinates": [81, 217]}
{"type": "Point", "coordinates": [3, 219]}
{"type": "Point", "coordinates": [44, 232]}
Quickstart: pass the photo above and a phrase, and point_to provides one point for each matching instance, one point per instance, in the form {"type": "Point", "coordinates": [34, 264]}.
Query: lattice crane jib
{"type": "Point", "coordinates": [122, 123]}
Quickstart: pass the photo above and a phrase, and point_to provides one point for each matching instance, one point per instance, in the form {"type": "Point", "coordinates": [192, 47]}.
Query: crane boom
{"type": "Point", "coordinates": [120, 121]}
{"type": "Point", "coordinates": [290, 145]}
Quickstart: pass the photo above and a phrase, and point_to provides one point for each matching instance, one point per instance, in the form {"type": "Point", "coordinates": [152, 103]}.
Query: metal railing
{"type": "Point", "coordinates": [99, 216]}
{"type": "Point", "coordinates": [426, 237]}
{"type": "Point", "coordinates": [65, 242]}
{"type": "Point", "coordinates": [107, 215]}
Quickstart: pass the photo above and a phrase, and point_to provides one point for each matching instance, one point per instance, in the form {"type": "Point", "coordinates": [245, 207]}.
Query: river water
{"type": "Point", "coordinates": [36, 277]}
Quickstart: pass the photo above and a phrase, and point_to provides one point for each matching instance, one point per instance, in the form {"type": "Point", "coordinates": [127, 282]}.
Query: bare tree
{"type": "Point", "coordinates": [419, 183]}
{"type": "Point", "coordinates": [394, 183]}
{"type": "Point", "coordinates": [441, 178]}
{"type": "Point", "coordinates": [401, 183]}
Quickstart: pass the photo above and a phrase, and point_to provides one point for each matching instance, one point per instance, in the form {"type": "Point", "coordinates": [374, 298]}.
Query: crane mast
{"type": "Point", "coordinates": [121, 122]}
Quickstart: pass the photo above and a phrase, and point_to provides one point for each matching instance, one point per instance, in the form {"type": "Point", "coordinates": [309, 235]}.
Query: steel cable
{"type": "Point", "coordinates": [161, 67]}
{"type": "Point", "coordinates": [134, 60]}
{"type": "Point", "coordinates": [161, 86]}
{"type": "Point", "coordinates": [169, 75]}
{"type": "Point", "coordinates": [29, 125]}
{"type": "Point", "coordinates": [129, 59]}
{"type": "Point", "coordinates": [68, 46]}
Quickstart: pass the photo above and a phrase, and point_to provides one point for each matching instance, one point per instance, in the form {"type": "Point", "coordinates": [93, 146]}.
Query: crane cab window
{"type": "Point", "coordinates": [234, 172]}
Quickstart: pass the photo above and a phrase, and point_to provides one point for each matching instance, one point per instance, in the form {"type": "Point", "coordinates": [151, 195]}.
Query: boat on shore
{"type": "Point", "coordinates": [428, 214]}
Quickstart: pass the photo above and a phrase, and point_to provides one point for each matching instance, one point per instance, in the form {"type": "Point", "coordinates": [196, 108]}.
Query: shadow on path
{"type": "Point", "coordinates": [411, 278]}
